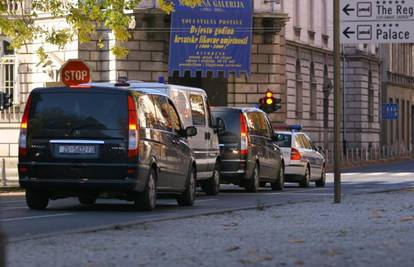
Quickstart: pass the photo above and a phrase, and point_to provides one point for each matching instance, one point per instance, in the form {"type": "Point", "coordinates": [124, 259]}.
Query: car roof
{"type": "Point", "coordinates": [242, 109]}
{"type": "Point", "coordinates": [149, 85]}
{"type": "Point", "coordinates": [102, 86]}
{"type": "Point", "coordinates": [145, 89]}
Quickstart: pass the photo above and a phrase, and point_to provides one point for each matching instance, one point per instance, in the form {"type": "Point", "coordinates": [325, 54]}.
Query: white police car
{"type": "Point", "coordinates": [304, 162]}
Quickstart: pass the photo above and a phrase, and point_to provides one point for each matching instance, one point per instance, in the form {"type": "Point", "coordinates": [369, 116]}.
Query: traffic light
{"type": "Point", "coordinates": [5, 100]}
{"type": "Point", "coordinates": [269, 104]}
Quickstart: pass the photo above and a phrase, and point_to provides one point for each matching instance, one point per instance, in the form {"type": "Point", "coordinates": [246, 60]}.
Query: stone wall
{"type": "Point", "coordinates": [361, 130]}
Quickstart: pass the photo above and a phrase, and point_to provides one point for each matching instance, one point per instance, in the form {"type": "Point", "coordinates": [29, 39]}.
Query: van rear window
{"type": "Point", "coordinates": [231, 121]}
{"type": "Point", "coordinates": [79, 110]}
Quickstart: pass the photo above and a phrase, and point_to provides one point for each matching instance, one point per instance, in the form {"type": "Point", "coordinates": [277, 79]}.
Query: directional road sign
{"type": "Point", "coordinates": [375, 21]}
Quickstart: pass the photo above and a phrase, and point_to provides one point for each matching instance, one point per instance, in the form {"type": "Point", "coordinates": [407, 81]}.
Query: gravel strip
{"type": "Point", "coordinates": [365, 230]}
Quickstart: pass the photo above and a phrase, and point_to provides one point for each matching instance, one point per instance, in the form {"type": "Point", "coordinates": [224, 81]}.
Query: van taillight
{"type": "Point", "coordinates": [132, 128]}
{"type": "Point", "coordinates": [244, 140]}
{"type": "Point", "coordinates": [295, 154]}
{"type": "Point", "coordinates": [23, 129]}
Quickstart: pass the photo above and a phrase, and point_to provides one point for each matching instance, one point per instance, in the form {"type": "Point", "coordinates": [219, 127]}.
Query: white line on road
{"type": "Point", "coordinates": [14, 208]}
{"type": "Point", "coordinates": [206, 200]}
{"type": "Point", "coordinates": [35, 217]}
{"type": "Point", "coordinates": [9, 202]}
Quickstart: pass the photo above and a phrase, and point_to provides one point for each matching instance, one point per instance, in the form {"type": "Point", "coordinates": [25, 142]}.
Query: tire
{"type": "Point", "coordinates": [87, 200]}
{"type": "Point", "coordinates": [37, 200]}
{"type": "Point", "coordinates": [147, 200]}
{"type": "Point", "coordinates": [321, 182]}
{"type": "Point", "coordinates": [279, 184]}
{"type": "Point", "coordinates": [305, 179]}
{"type": "Point", "coordinates": [252, 185]}
{"type": "Point", "coordinates": [187, 198]}
{"type": "Point", "coordinates": [212, 186]}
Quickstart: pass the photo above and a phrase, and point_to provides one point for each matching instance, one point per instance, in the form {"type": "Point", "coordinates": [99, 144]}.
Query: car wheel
{"type": "Point", "coordinates": [279, 184]}
{"type": "Point", "coordinates": [322, 180]}
{"type": "Point", "coordinates": [147, 200]}
{"type": "Point", "coordinates": [305, 179]}
{"type": "Point", "coordinates": [252, 185]}
{"type": "Point", "coordinates": [188, 196]}
{"type": "Point", "coordinates": [212, 186]}
{"type": "Point", "coordinates": [37, 200]}
{"type": "Point", "coordinates": [87, 200]}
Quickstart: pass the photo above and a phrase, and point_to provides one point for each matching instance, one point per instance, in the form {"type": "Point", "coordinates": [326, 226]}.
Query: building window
{"type": "Point", "coordinates": [8, 70]}
{"type": "Point", "coordinates": [397, 136]}
{"type": "Point", "coordinates": [402, 120]}
{"type": "Point", "coordinates": [313, 92]}
{"type": "Point", "coordinates": [299, 90]}
{"type": "Point", "coordinates": [370, 98]}
{"type": "Point", "coordinates": [327, 86]}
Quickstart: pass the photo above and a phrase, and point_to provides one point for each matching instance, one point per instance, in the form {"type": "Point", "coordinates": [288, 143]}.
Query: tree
{"type": "Point", "coordinates": [18, 21]}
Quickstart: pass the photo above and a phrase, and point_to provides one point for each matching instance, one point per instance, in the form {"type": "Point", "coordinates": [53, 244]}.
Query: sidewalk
{"type": "Point", "coordinates": [365, 230]}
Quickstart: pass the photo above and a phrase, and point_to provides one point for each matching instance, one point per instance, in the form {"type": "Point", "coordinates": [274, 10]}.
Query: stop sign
{"type": "Point", "coordinates": [75, 72]}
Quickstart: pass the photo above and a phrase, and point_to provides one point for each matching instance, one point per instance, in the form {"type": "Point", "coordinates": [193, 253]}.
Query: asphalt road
{"type": "Point", "coordinates": [67, 215]}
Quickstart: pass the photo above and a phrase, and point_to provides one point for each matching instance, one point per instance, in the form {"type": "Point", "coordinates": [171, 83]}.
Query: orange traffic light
{"type": "Point", "coordinates": [269, 94]}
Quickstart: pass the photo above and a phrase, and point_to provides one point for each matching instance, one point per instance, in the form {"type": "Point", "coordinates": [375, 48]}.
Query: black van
{"type": "Point", "coordinates": [113, 142]}
{"type": "Point", "coordinates": [250, 156]}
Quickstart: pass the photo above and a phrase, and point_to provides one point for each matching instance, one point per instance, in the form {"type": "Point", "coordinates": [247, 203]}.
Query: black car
{"type": "Point", "coordinates": [113, 142]}
{"type": "Point", "coordinates": [250, 156]}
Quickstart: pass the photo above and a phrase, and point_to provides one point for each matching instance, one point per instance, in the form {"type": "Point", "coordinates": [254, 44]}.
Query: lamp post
{"type": "Point", "coordinates": [337, 104]}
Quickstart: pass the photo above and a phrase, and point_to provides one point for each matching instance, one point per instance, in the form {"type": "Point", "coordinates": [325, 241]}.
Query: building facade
{"type": "Point", "coordinates": [398, 88]}
{"type": "Point", "coordinates": [309, 74]}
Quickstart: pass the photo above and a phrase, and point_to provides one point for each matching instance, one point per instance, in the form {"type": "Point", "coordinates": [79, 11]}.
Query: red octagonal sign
{"type": "Point", "coordinates": [75, 72]}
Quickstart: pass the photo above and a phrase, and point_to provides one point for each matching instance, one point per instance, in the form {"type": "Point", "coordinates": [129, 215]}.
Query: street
{"type": "Point", "coordinates": [67, 215]}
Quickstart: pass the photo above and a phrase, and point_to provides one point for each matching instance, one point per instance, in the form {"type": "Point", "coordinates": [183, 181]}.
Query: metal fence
{"type": "Point", "coordinates": [353, 156]}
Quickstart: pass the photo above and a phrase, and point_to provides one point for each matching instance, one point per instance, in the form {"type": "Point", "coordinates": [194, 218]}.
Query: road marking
{"type": "Point", "coordinates": [14, 208]}
{"type": "Point", "coordinates": [14, 201]}
{"type": "Point", "coordinates": [206, 200]}
{"type": "Point", "coordinates": [404, 174]}
{"type": "Point", "coordinates": [35, 217]}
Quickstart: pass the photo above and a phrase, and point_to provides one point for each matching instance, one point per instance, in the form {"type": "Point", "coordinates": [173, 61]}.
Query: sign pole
{"type": "Point", "coordinates": [337, 104]}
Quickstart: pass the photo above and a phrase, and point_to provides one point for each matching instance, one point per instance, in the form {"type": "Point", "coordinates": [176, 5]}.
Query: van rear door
{"type": "Point", "coordinates": [78, 133]}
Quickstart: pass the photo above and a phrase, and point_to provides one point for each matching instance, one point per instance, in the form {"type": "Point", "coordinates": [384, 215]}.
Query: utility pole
{"type": "Point", "coordinates": [337, 103]}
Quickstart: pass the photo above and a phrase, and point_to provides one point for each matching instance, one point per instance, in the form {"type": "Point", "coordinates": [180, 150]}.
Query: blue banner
{"type": "Point", "coordinates": [214, 37]}
{"type": "Point", "coordinates": [390, 111]}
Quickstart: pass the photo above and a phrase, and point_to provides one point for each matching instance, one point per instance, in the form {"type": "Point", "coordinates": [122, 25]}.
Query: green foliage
{"type": "Point", "coordinates": [86, 20]}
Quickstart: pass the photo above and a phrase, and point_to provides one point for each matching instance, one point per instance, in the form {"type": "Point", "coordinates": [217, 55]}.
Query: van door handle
{"type": "Point", "coordinates": [207, 136]}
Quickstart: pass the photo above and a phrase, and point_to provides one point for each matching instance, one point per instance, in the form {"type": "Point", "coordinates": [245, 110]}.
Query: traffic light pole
{"type": "Point", "coordinates": [337, 104]}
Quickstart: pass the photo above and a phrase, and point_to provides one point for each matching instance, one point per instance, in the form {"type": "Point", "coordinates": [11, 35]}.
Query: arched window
{"type": "Point", "coordinates": [299, 90]}
{"type": "Point", "coordinates": [313, 91]}
{"type": "Point", "coordinates": [370, 98]}
{"type": "Point", "coordinates": [7, 69]}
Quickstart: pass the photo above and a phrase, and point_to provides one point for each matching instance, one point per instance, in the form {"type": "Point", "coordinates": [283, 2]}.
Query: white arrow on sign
{"type": "Point", "coordinates": [369, 10]}
{"type": "Point", "coordinates": [377, 32]}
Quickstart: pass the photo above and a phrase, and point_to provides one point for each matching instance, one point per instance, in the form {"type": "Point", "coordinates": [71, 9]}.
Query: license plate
{"type": "Point", "coordinates": [76, 149]}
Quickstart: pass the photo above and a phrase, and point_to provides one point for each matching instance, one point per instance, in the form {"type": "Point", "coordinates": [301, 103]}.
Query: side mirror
{"type": "Point", "coordinates": [219, 127]}
{"type": "Point", "coordinates": [190, 131]}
